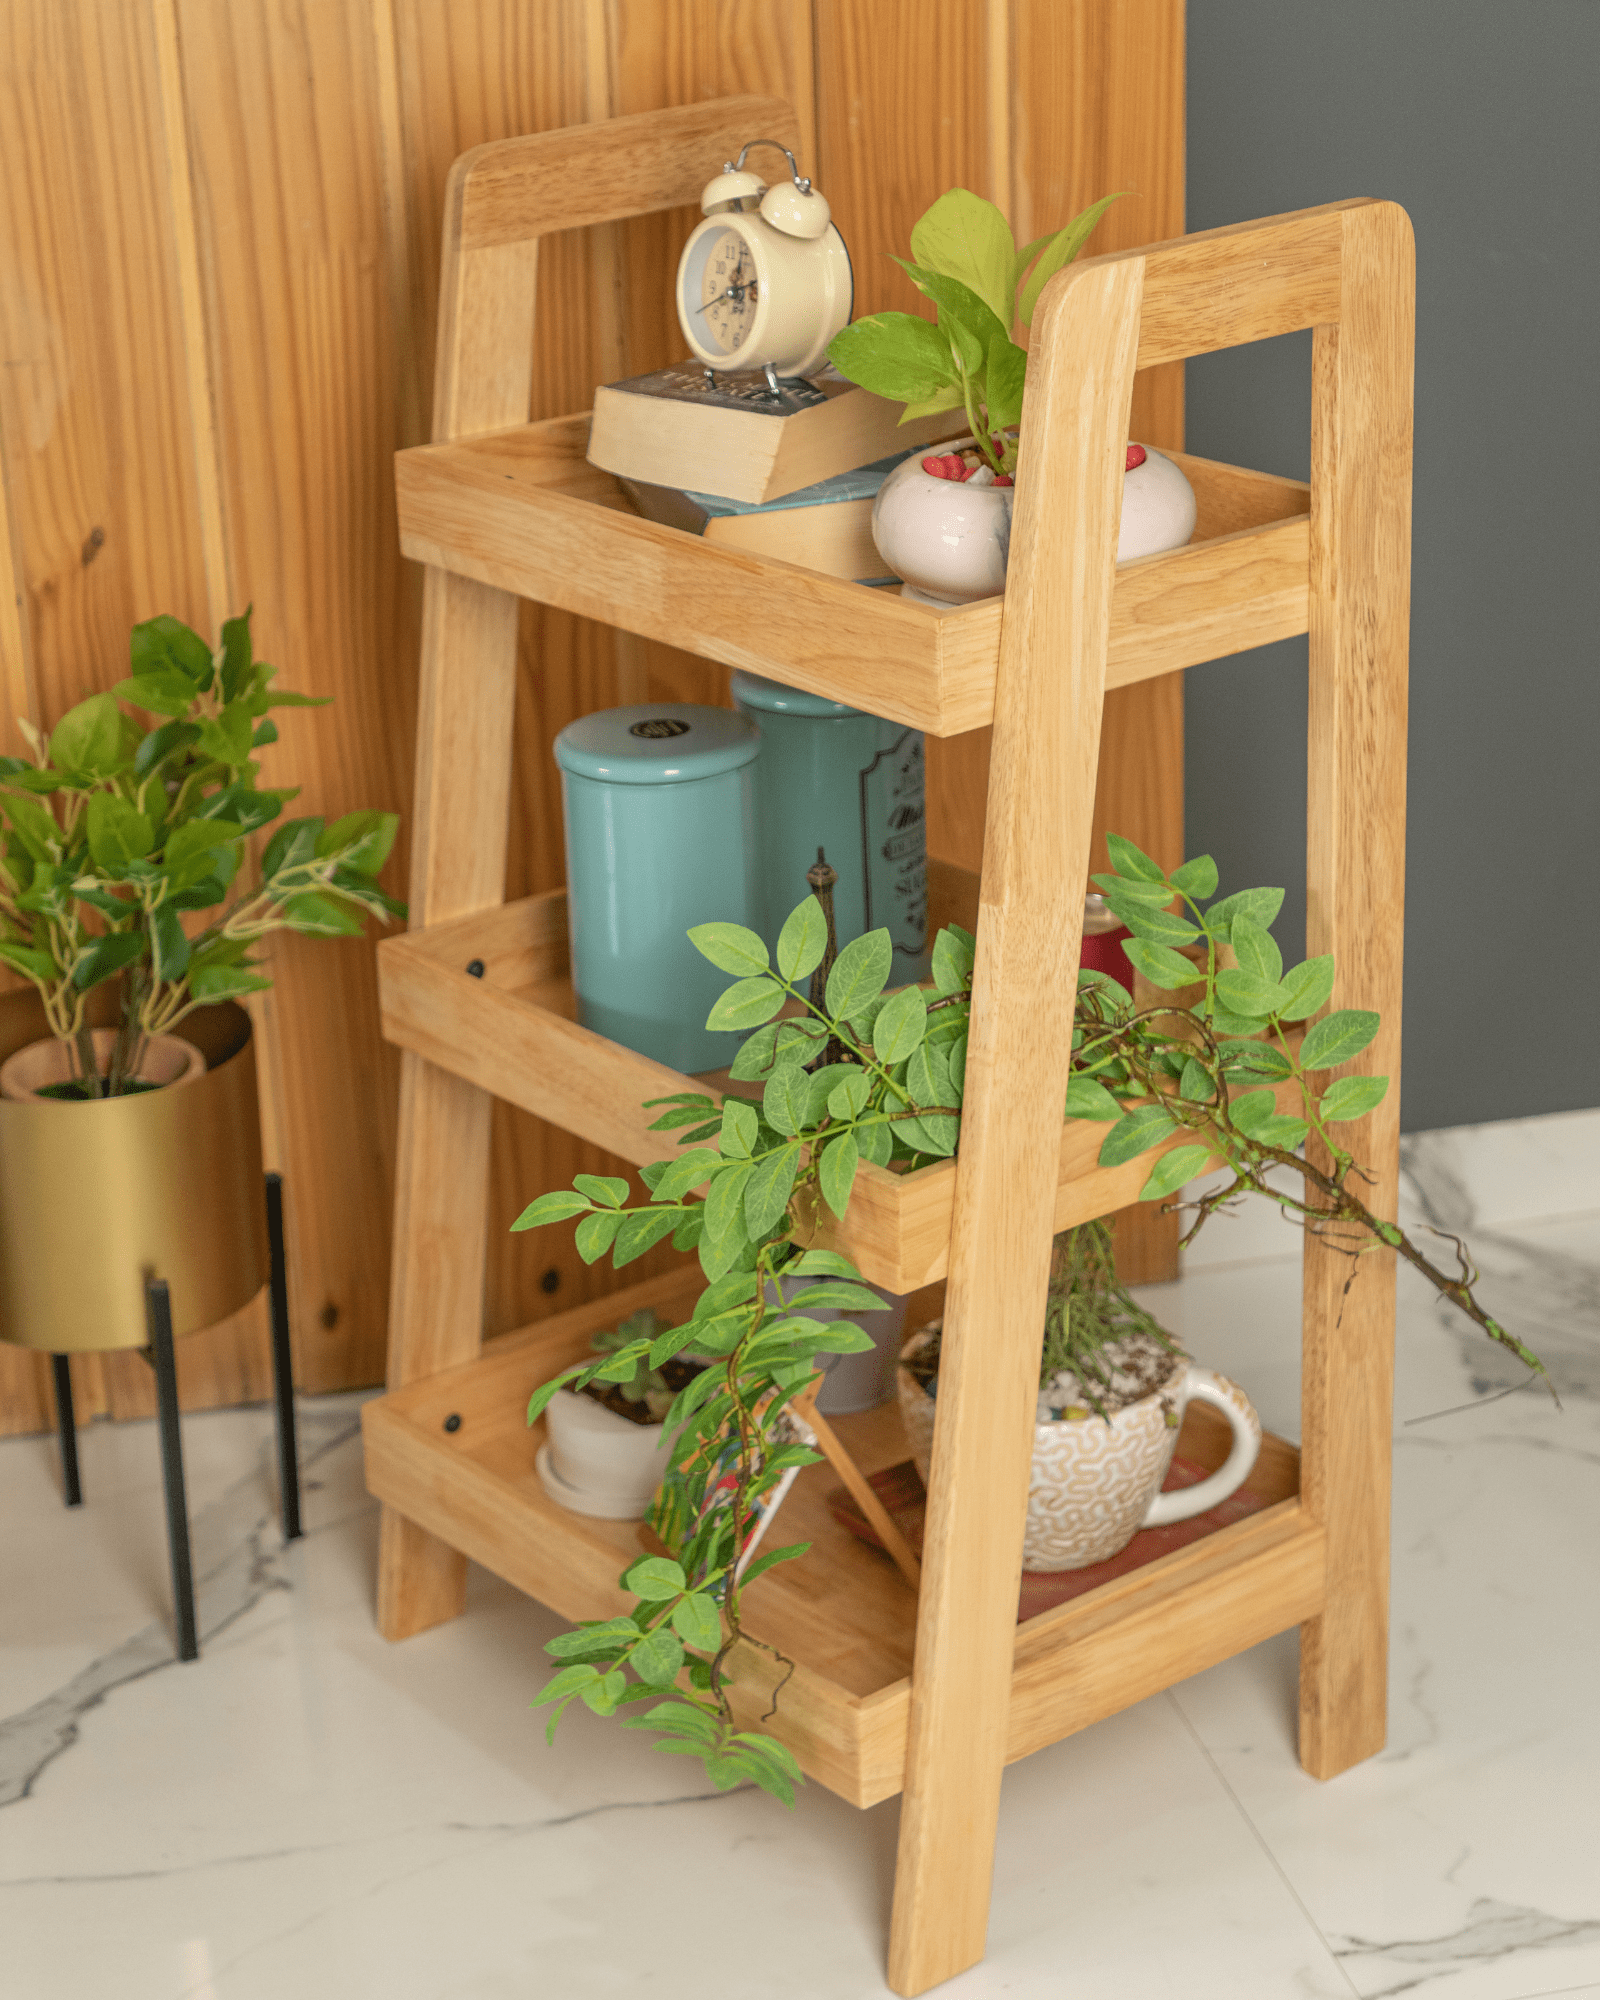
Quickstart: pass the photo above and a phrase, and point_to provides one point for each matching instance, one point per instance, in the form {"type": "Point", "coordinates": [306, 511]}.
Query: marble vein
{"type": "Point", "coordinates": [1493, 1930]}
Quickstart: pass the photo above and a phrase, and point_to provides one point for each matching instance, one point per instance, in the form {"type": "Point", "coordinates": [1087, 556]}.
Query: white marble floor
{"type": "Point", "coordinates": [308, 1812]}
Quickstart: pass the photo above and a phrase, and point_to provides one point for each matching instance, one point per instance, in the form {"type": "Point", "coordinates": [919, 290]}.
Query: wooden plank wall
{"type": "Point", "coordinates": [219, 231]}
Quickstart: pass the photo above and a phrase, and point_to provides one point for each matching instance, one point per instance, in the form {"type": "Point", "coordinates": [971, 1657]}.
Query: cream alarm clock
{"type": "Point", "coordinates": [765, 281]}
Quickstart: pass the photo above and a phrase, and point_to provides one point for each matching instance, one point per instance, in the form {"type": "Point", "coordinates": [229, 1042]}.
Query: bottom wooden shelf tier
{"type": "Point", "coordinates": [842, 1613]}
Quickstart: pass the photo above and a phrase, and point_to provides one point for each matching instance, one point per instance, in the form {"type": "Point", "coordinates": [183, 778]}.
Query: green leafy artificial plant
{"type": "Point", "coordinates": [119, 839]}
{"type": "Point", "coordinates": [1196, 1081]}
{"type": "Point", "coordinates": [965, 259]}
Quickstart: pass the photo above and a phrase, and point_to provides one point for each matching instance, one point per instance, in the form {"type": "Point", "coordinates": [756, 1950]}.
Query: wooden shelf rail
{"type": "Point", "coordinates": [929, 1694]}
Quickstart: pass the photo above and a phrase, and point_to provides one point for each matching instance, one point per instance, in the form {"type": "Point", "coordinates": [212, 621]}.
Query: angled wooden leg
{"type": "Point", "coordinates": [442, 1177]}
{"type": "Point", "coordinates": [1360, 608]}
{"type": "Point", "coordinates": [1041, 792]}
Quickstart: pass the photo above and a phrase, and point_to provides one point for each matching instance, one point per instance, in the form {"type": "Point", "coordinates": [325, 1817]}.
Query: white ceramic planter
{"type": "Point", "coordinates": [864, 1379]}
{"type": "Point", "coordinates": [949, 539]}
{"type": "Point", "coordinates": [1094, 1485]}
{"type": "Point", "coordinates": [597, 1463]}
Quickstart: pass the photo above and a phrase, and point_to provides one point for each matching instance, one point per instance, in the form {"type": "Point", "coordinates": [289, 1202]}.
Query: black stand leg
{"type": "Point", "coordinates": [158, 1318]}
{"type": "Point", "coordinates": [283, 1365]}
{"type": "Point", "coordinates": [67, 1431]}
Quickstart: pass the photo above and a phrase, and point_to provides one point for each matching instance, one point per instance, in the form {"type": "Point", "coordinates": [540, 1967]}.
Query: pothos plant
{"type": "Point", "coordinates": [856, 1073]}
{"type": "Point", "coordinates": [965, 259]}
{"type": "Point", "coordinates": [120, 837]}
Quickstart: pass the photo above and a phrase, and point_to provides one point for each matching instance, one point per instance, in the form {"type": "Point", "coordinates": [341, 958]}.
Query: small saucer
{"type": "Point", "coordinates": [598, 1506]}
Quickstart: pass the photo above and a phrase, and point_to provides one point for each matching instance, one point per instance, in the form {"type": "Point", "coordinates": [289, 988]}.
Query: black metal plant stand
{"type": "Point", "coordinates": [160, 1354]}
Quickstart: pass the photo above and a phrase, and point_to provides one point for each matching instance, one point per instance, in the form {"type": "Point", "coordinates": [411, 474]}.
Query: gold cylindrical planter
{"type": "Point", "coordinates": [94, 1197]}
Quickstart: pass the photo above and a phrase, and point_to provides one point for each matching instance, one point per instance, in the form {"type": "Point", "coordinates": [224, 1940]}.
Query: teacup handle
{"type": "Point", "coordinates": [1187, 1501]}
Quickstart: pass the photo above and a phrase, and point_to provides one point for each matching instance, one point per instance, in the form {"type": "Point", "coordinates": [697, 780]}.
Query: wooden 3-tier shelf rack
{"type": "Point", "coordinates": [927, 1693]}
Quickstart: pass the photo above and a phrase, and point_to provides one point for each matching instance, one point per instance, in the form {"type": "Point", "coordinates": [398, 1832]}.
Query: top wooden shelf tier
{"type": "Point", "coordinates": [523, 510]}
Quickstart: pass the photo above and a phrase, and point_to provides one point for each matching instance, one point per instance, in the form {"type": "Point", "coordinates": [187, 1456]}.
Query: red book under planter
{"type": "Point", "coordinates": [901, 1490]}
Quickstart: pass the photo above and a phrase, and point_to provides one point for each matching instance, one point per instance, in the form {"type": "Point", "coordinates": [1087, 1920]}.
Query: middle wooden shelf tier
{"type": "Point", "coordinates": [523, 510]}
{"type": "Point", "coordinates": [512, 1029]}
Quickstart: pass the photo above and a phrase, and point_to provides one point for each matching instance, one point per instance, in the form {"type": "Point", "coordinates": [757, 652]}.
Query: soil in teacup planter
{"type": "Point", "coordinates": [604, 1456]}
{"type": "Point", "coordinates": [48, 1068]}
{"type": "Point", "coordinates": [1096, 1480]}
{"type": "Point", "coordinates": [942, 520]}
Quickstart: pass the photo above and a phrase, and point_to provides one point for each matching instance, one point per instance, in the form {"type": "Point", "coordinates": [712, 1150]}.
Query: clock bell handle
{"type": "Point", "coordinates": [737, 166]}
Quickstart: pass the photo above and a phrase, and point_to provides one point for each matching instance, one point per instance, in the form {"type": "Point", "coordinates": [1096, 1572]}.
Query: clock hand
{"type": "Point", "coordinates": [734, 292]}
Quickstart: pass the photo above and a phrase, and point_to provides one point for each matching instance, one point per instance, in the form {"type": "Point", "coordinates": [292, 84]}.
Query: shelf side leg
{"type": "Point", "coordinates": [1356, 776]}
{"type": "Point", "coordinates": [1048, 702]}
{"type": "Point", "coordinates": [462, 808]}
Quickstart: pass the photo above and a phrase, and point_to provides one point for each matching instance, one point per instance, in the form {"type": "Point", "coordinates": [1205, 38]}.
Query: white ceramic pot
{"type": "Point", "coordinates": [949, 539]}
{"type": "Point", "coordinates": [863, 1379]}
{"type": "Point", "coordinates": [598, 1463]}
{"type": "Point", "coordinates": [1095, 1484]}
{"type": "Point", "coordinates": [168, 1060]}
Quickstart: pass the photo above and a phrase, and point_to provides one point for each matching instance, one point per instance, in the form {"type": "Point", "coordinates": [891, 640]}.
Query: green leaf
{"type": "Point", "coordinates": [1160, 964]}
{"type": "Point", "coordinates": [87, 741]}
{"type": "Point", "coordinates": [282, 698]}
{"type": "Point", "coordinates": [167, 645]}
{"type": "Point", "coordinates": [227, 736]}
{"type": "Point", "coordinates": [1255, 1059]}
{"type": "Point", "coordinates": [169, 946]}
{"type": "Point", "coordinates": [822, 1263]}
{"type": "Point", "coordinates": [1196, 878]}
{"type": "Point", "coordinates": [784, 1101]}
{"type": "Point", "coordinates": [604, 1635]}
{"type": "Point", "coordinates": [294, 843]}
{"type": "Point", "coordinates": [896, 355]}
{"type": "Point", "coordinates": [901, 1026]}
{"type": "Point", "coordinates": [106, 957]}
{"type": "Point", "coordinates": [770, 1559]}
{"type": "Point", "coordinates": [167, 692]}
{"type": "Point", "coordinates": [1135, 1133]}
{"type": "Point", "coordinates": [24, 959]}
{"type": "Point", "coordinates": [698, 1622]}
{"type": "Point", "coordinates": [1339, 1037]}
{"type": "Point", "coordinates": [1282, 1130]}
{"type": "Point", "coordinates": [163, 743]}
{"type": "Point", "coordinates": [1256, 949]}
{"type": "Point", "coordinates": [1308, 986]}
{"type": "Point", "coordinates": [640, 1232]}
{"type": "Point", "coordinates": [859, 975]}
{"type": "Point", "coordinates": [686, 1172]}
{"type": "Point", "coordinates": [570, 1680]}
{"type": "Point", "coordinates": [968, 238]}
{"type": "Point", "coordinates": [606, 1693]}
{"type": "Point", "coordinates": [263, 734]}
{"type": "Point", "coordinates": [237, 654]}
{"type": "Point", "coordinates": [1352, 1097]}
{"type": "Point", "coordinates": [557, 1206]}
{"type": "Point", "coordinates": [1060, 251]}
{"type": "Point", "coordinates": [848, 1097]}
{"type": "Point", "coordinates": [606, 1190]}
{"type": "Point", "coordinates": [1004, 381]}
{"type": "Point", "coordinates": [1251, 1109]}
{"type": "Point", "coordinates": [319, 915]}
{"type": "Point", "coordinates": [740, 1127]}
{"type": "Point", "coordinates": [1262, 904]}
{"type": "Point", "coordinates": [747, 1002]}
{"type": "Point", "coordinates": [1087, 1098]}
{"type": "Point", "coordinates": [33, 825]}
{"type": "Point", "coordinates": [952, 961]}
{"type": "Point", "coordinates": [678, 1718]}
{"type": "Point", "coordinates": [658, 1658]}
{"type": "Point", "coordinates": [1156, 926]}
{"type": "Point", "coordinates": [361, 840]}
{"type": "Point", "coordinates": [1131, 861]}
{"type": "Point", "coordinates": [959, 307]}
{"type": "Point", "coordinates": [725, 1208]}
{"type": "Point", "coordinates": [1173, 1170]}
{"type": "Point", "coordinates": [948, 398]}
{"type": "Point", "coordinates": [802, 941]}
{"type": "Point", "coordinates": [731, 948]}
{"type": "Point", "coordinates": [876, 1146]}
{"type": "Point", "coordinates": [596, 1233]}
{"type": "Point", "coordinates": [836, 1172]}
{"type": "Point", "coordinates": [1195, 1085]}
{"type": "Point", "coordinates": [1252, 999]}
{"type": "Point", "coordinates": [118, 833]}
{"type": "Point", "coordinates": [767, 1191]}
{"type": "Point", "coordinates": [927, 1077]}
{"type": "Point", "coordinates": [225, 982]}
{"type": "Point", "coordinates": [655, 1579]}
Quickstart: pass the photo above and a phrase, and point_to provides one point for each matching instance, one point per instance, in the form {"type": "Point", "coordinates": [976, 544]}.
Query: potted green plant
{"type": "Point", "coordinates": [125, 887]}
{"type": "Point", "coordinates": [607, 1449]}
{"type": "Point", "coordinates": [942, 520]}
{"type": "Point", "coordinates": [1113, 1388]}
{"type": "Point", "coordinates": [853, 1072]}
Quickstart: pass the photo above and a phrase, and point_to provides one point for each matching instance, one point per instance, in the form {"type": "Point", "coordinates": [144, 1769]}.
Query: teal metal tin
{"type": "Point", "coordinates": [833, 777]}
{"type": "Point", "coordinates": [659, 814]}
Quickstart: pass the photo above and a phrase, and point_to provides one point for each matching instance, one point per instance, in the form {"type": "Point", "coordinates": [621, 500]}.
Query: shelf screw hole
{"type": "Point", "coordinates": [452, 1422]}
{"type": "Point", "coordinates": [475, 968]}
{"type": "Point", "coordinates": [550, 1282]}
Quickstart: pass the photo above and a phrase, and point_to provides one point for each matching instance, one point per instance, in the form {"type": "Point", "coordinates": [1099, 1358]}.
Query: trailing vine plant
{"type": "Point", "coordinates": [1226, 1069]}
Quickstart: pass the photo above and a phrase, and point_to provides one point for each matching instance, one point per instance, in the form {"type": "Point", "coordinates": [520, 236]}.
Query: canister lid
{"type": "Point", "coordinates": [657, 743]}
{"type": "Point", "coordinates": [776, 699]}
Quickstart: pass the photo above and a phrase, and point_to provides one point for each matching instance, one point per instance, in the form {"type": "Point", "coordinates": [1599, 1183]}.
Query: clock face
{"type": "Point", "coordinates": [725, 310]}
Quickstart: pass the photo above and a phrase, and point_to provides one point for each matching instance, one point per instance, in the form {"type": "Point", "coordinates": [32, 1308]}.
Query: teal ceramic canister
{"type": "Point", "coordinates": [833, 777]}
{"type": "Point", "coordinates": [659, 815]}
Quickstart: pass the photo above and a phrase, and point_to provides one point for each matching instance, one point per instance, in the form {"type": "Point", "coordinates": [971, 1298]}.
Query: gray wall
{"type": "Point", "coordinates": [1482, 118]}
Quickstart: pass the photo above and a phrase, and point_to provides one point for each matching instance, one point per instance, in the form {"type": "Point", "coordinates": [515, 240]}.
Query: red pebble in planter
{"type": "Point", "coordinates": [935, 467]}
{"type": "Point", "coordinates": [1136, 456]}
{"type": "Point", "coordinates": [1004, 479]}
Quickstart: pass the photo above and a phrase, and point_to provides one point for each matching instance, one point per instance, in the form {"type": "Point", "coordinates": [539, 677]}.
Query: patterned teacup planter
{"type": "Point", "coordinates": [1096, 1483]}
